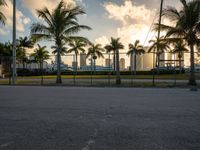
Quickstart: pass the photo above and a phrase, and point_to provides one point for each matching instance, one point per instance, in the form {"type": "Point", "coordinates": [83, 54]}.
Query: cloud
{"type": "Point", "coordinates": [2, 32]}
{"type": "Point", "coordinates": [135, 21]}
{"type": "Point", "coordinates": [128, 12]}
{"type": "Point", "coordinates": [21, 19]}
{"type": "Point", "coordinates": [102, 40]}
{"type": "Point", "coordinates": [50, 4]}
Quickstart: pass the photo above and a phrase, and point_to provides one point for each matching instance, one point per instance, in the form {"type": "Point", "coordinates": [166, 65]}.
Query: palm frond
{"type": "Point", "coordinates": [76, 29]}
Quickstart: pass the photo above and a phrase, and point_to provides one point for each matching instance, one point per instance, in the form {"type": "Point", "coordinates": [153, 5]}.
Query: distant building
{"type": "Point", "coordinates": [143, 62]}
{"type": "Point", "coordinates": [147, 61]}
{"type": "Point", "coordinates": [83, 60]}
{"type": "Point", "coordinates": [108, 62]}
{"type": "Point", "coordinates": [122, 64]}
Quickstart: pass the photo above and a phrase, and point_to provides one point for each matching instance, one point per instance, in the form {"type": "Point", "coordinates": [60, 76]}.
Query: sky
{"type": "Point", "coordinates": [128, 19]}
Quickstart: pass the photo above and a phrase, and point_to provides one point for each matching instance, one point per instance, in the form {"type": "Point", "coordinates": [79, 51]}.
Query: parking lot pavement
{"type": "Point", "coordinates": [76, 118]}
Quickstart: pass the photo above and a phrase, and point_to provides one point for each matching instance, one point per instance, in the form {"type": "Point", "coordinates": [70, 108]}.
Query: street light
{"type": "Point", "coordinates": [14, 44]}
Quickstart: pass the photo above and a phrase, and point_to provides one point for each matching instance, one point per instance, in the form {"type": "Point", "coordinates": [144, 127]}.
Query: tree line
{"type": "Point", "coordinates": [61, 26]}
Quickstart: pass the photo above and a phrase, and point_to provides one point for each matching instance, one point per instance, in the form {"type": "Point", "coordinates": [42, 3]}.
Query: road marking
{"type": "Point", "coordinates": [91, 141]}
{"type": "Point", "coordinates": [6, 144]}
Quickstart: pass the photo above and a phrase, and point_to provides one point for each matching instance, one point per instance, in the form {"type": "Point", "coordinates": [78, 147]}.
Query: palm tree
{"type": "Point", "coordinates": [180, 48]}
{"type": "Point", "coordinates": [77, 46]}
{"type": "Point", "coordinates": [2, 16]}
{"type": "Point", "coordinates": [187, 27]}
{"type": "Point", "coordinates": [62, 51]}
{"type": "Point", "coordinates": [158, 47]}
{"type": "Point", "coordinates": [135, 50]}
{"type": "Point", "coordinates": [23, 43]}
{"type": "Point", "coordinates": [40, 55]}
{"type": "Point", "coordinates": [115, 46]}
{"type": "Point", "coordinates": [60, 25]}
{"type": "Point", "coordinates": [95, 51]}
{"type": "Point", "coordinates": [6, 57]}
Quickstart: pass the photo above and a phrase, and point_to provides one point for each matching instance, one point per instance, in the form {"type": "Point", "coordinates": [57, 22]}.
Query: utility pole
{"type": "Point", "coordinates": [14, 45]}
{"type": "Point", "coordinates": [159, 26]}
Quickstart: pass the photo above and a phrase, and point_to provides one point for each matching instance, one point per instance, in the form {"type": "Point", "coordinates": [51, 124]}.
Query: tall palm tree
{"type": "Point", "coordinates": [158, 47]}
{"type": "Point", "coordinates": [77, 46]}
{"type": "Point", "coordinates": [62, 51]}
{"type": "Point", "coordinates": [95, 51]}
{"type": "Point", "coordinates": [180, 48]}
{"type": "Point", "coordinates": [187, 26]}
{"type": "Point", "coordinates": [135, 50]}
{"type": "Point", "coordinates": [2, 16]}
{"type": "Point", "coordinates": [115, 45]}
{"type": "Point", "coordinates": [60, 26]}
{"type": "Point", "coordinates": [40, 55]}
{"type": "Point", "coordinates": [23, 43]}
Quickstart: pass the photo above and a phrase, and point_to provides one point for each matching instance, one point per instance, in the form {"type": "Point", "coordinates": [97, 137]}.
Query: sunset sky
{"type": "Point", "coordinates": [127, 19]}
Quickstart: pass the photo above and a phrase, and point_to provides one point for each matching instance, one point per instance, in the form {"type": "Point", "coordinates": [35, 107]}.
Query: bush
{"type": "Point", "coordinates": [36, 72]}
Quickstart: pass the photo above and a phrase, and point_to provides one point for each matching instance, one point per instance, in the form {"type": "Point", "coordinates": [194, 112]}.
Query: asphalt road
{"type": "Point", "coordinates": [69, 118]}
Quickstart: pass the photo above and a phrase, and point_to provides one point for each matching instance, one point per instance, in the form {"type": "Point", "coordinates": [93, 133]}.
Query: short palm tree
{"type": "Point", "coordinates": [40, 55]}
{"type": "Point", "coordinates": [60, 26]}
{"type": "Point", "coordinates": [77, 46]}
{"type": "Point", "coordinates": [187, 26]}
{"type": "Point", "coordinates": [95, 51]}
{"type": "Point", "coordinates": [158, 47]}
{"type": "Point", "coordinates": [6, 56]}
{"type": "Point", "coordinates": [180, 48]}
{"type": "Point", "coordinates": [2, 16]}
{"type": "Point", "coordinates": [115, 45]}
{"type": "Point", "coordinates": [135, 50]}
{"type": "Point", "coordinates": [23, 43]}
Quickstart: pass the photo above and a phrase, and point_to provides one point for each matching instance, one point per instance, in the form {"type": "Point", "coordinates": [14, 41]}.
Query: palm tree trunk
{"type": "Point", "coordinates": [41, 72]}
{"type": "Point", "coordinates": [59, 79]}
{"type": "Point", "coordinates": [180, 63]}
{"type": "Point", "coordinates": [131, 68]}
{"type": "Point", "coordinates": [109, 74]}
{"type": "Point", "coordinates": [91, 79]}
{"type": "Point", "coordinates": [114, 61]}
{"type": "Point", "coordinates": [131, 62]}
{"type": "Point", "coordinates": [135, 64]}
{"type": "Point", "coordinates": [75, 68]}
{"type": "Point", "coordinates": [158, 64]}
{"type": "Point", "coordinates": [94, 66]}
{"type": "Point", "coordinates": [192, 80]}
{"type": "Point", "coordinates": [118, 78]}
{"type": "Point", "coordinates": [76, 63]}
{"type": "Point", "coordinates": [23, 64]}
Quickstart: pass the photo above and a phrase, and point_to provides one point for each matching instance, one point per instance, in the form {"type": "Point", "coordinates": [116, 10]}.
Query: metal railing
{"type": "Point", "coordinates": [84, 73]}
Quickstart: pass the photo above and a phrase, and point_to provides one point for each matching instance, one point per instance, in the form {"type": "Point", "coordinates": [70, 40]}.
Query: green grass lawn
{"type": "Point", "coordinates": [36, 80]}
{"type": "Point", "coordinates": [178, 76]}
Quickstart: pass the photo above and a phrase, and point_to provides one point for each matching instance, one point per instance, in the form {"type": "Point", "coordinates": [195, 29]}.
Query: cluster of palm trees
{"type": "Point", "coordinates": [186, 28]}
{"type": "Point", "coordinates": [60, 26]}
